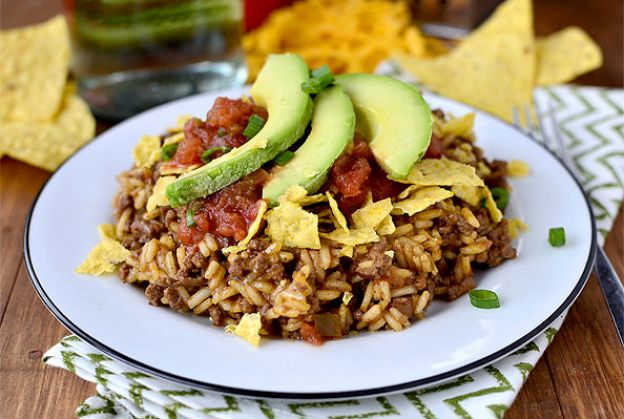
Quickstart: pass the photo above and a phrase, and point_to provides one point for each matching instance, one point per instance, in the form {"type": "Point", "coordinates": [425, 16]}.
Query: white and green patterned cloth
{"type": "Point", "coordinates": [592, 121]}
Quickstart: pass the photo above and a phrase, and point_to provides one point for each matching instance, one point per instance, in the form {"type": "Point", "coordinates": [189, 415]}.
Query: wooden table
{"type": "Point", "coordinates": [580, 376]}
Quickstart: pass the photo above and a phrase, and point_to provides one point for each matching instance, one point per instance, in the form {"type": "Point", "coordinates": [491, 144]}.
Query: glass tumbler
{"type": "Point", "coordinates": [130, 55]}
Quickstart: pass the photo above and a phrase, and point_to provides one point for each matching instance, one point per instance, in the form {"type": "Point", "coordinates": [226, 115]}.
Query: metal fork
{"type": "Point", "coordinates": [532, 123]}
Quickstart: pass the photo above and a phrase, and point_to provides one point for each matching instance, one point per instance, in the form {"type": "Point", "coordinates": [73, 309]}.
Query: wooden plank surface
{"type": "Point", "coordinates": [581, 375]}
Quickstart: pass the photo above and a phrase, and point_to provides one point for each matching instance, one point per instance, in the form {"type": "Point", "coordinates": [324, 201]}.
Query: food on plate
{"type": "Point", "coordinates": [344, 237]}
{"type": "Point", "coordinates": [350, 36]}
{"type": "Point", "coordinates": [42, 119]}
{"type": "Point", "coordinates": [497, 65]}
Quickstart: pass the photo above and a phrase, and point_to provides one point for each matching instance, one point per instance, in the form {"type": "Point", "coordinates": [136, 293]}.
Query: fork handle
{"type": "Point", "coordinates": [612, 289]}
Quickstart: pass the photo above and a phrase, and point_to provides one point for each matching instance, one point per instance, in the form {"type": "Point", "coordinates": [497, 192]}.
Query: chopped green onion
{"type": "Point", "coordinates": [205, 157]}
{"type": "Point", "coordinates": [284, 157]}
{"type": "Point", "coordinates": [221, 132]}
{"type": "Point", "coordinates": [255, 124]}
{"type": "Point", "coordinates": [189, 218]}
{"type": "Point", "coordinates": [484, 299]}
{"type": "Point", "coordinates": [167, 152]}
{"type": "Point", "coordinates": [501, 197]}
{"type": "Point", "coordinates": [556, 237]}
{"type": "Point", "coordinates": [320, 78]}
{"type": "Point", "coordinates": [483, 203]}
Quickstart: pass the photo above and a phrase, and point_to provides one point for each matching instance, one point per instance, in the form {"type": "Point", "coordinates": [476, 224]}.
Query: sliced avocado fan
{"type": "Point", "coordinates": [393, 117]}
{"type": "Point", "coordinates": [333, 126]}
{"type": "Point", "coordinates": [278, 88]}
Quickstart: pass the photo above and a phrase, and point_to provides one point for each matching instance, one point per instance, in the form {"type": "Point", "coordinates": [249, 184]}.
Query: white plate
{"type": "Point", "coordinates": [454, 338]}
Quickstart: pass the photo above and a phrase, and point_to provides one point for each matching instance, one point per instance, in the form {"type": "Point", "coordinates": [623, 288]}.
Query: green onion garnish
{"type": "Point", "coordinates": [501, 197]}
{"type": "Point", "coordinates": [254, 125]}
{"type": "Point", "coordinates": [556, 237]}
{"type": "Point", "coordinates": [284, 157]}
{"type": "Point", "coordinates": [167, 152]}
{"type": "Point", "coordinates": [205, 156]}
{"type": "Point", "coordinates": [221, 132]}
{"type": "Point", "coordinates": [189, 218]}
{"type": "Point", "coordinates": [484, 299]}
{"type": "Point", "coordinates": [320, 78]}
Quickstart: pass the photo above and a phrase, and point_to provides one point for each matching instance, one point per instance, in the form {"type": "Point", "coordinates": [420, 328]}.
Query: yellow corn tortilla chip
{"type": "Point", "coordinates": [158, 198]}
{"type": "Point", "coordinates": [174, 138]}
{"type": "Point", "coordinates": [493, 68]}
{"type": "Point", "coordinates": [386, 227]}
{"type": "Point", "coordinates": [180, 122]}
{"type": "Point", "coordinates": [469, 194]}
{"type": "Point", "coordinates": [47, 145]}
{"type": "Point", "coordinates": [147, 151]}
{"type": "Point", "coordinates": [299, 195]}
{"type": "Point", "coordinates": [422, 199]}
{"type": "Point", "coordinates": [346, 297]}
{"type": "Point", "coordinates": [293, 226]}
{"type": "Point", "coordinates": [459, 127]}
{"type": "Point", "coordinates": [253, 230]}
{"type": "Point", "coordinates": [515, 226]}
{"type": "Point", "coordinates": [442, 172]}
{"type": "Point", "coordinates": [176, 169]}
{"type": "Point", "coordinates": [248, 328]}
{"type": "Point", "coordinates": [518, 168]}
{"type": "Point", "coordinates": [107, 231]}
{"type": "Point", "coordinates": [346, 251]}
{"type": "Point", "coordinates": [352, 237]}
{"type": "Point", "coordinates": [33, 71]}
{"type": "Point", "coordinates": [372, 215]}
{"type": "Point", "coordinates": [490, 205]}
{"type": "Point", "coordinates": [341, 221]}
{"type": "Point", "coordinates": [103, 258]}
{"type": "Point", "coordinates": [566, 54]}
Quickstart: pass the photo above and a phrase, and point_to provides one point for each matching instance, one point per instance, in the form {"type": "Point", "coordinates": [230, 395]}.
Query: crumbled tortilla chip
{"type": "Point", "coordinates": [147, 151]}
{"type": "Point", "coordinates": [158, 198]}
{"type": "Point", "coordinates": [341, 221]}
{"type": "Point", "coordinates": [458, 127]}
{"type": "Point", "coordinates": [174, 138]}
{"type": "Point", "coordinates": [48, 144]}
{"type": "Point", "coordinates": [493, 68]}
{"type": "Point", "coordinates": [346, 251]}
{"type": "Point", "coordinates": [515, 226]}
{"type": "Point", "coordinates": [422, 199]}
{"type": "Point", "coordinates": [469, 194]}
{"type": "Point", "coordinates": [372, 215]}
{"type": "Point", "coordinates": [442, 172]}
{"type": "Point", "coordinates": [253, 230]}
{"type": "Point", "coordinates": [103, 258]}
{"type": "Point", "coordinates": [248, 328]}
{"type": "Point", "coordinates": [564, 55]}
{"type": "Point", "coordinates": [490, 205]}
{"type": "Point", "coordinates": [180, 122]}
{"type": "Point", "coordinates": [386, 227]}
{"type": "Point", "coordinates": [352, 237]}
{"type": "Point", "coordinates": [346, 297]}
{"type": "Point", "coordinates": [518, 168]}
{"type": "Point", "coordinates": [33, 71]}
{"type": "Point", "coordinates": [407, 191]}
{"type": "Point", "coordinates": [293, 226]}
{"type": "Point", "coordinates": [107, 231]}
{"type": "Point", "coordinates": [299, 195]}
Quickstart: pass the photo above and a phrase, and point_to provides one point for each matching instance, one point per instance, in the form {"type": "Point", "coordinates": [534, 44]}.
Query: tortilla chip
{"type": "Point", "coordinates": [147, 151]}
{"type": "Point", "coordinates": [352, 237]}
{"type": "Point", "coordinates": [339, 217]}
{"type": "Point", "coordinates": [458, 127]}
{"type": "Point", "coordinates": [515, 226]}
{"type": "Point", "coordinates": [247, 328]}
{"type": "Point", "coordinates": [47, 145]}
{"type": "Point", "coordinates": [518, 168]}
{"type": "Point", "coordinates": [253, 230]}
{"type": "Point", "coordinates": [172, 168]}
{"type": "Point", "coordinates": [490, 205]}
{"type": "Point", "coordinates": [107, 231]}
{"type": "Point", "coordinates": [566, 54]}
{"type": "Point", "coordinates": [158, 198]}
{"type": "Point", "coordinates": [442, 172]}
{"type": "Point", "coordinates": [292, 226]}
{"type": "Point", "coordinates": [299, 195]}
{"type": "Point", "coordinates": [469, 194]}
{"type": "Point", "coordinates": [180, 122]}
{"type": "Point", "coordinates": [103, 258]}
{"type": "Point", "coordinates": [346, 297]}
{"type": "Point", "coordinates": [174, 139]}
{"type": "Point", "coordinates": [422, 199]}
{"type": "Point", "coordinates": [493, 68]}
{"type": "Point", "coordinates": [386, 227]}
{"type": "Point", "coordinates": [33, 71]}
{"type": "Point", "coordinates": [372, 215]}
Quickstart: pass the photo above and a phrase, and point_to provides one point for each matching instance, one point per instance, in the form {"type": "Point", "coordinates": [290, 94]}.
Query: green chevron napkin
{"type": "Point", "coordinates": [592, 121]}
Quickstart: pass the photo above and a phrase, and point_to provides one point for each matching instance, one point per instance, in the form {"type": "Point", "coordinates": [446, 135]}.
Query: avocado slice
{"type": "Point", "coordinates": [393, 117]}
{"type": "Point", "coordinates": [278, 88]}
{"type": "Point", "coordinates": [333, 126]}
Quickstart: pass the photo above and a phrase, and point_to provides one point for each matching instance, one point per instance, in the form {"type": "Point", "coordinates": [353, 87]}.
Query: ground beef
{"type": "Point", "coordinates": [374, 263]}
{"type": "Point", "coordinates": [154, 294]}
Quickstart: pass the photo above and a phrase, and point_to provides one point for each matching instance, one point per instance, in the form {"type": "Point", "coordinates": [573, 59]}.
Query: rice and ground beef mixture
{"type": "Point", "coordinates": [312, 295]}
